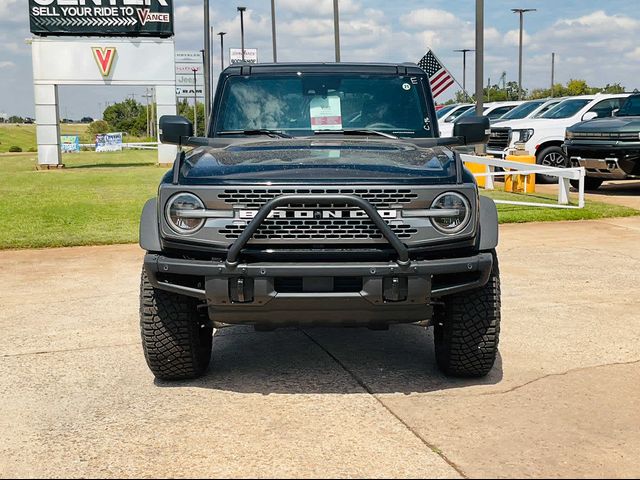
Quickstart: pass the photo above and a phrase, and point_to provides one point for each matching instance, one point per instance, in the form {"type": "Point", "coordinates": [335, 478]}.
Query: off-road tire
{"type": "Point", "coordinates": [551, 156]}
{"type": "Point", "coordinates": [467, 330]}
{"type": "Point", "coordinates": [176, 339]}
{"type": "Point", "coordinates": [590, 183]}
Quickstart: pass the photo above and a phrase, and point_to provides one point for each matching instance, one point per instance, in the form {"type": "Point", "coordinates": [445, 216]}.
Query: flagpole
{"type": "Point", "coordinates": [454, 78]}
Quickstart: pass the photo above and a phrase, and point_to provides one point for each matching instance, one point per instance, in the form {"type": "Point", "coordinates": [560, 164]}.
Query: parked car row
{"type": "Point", "coordinates": [598, 132]}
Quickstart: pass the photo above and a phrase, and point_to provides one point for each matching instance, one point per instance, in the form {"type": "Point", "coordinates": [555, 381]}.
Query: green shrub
{"type": "Point", "coordinates": [15, 149]}
{"type": "Point", "coordinates": [98, 127]}
{"type": "Point", "coordinates": [33, 149]}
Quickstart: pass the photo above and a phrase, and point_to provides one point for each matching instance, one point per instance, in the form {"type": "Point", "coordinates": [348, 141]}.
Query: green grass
{"type": "Point", "coordinates": [24, 136]}
{"type": "Point", "coordinates": [97, 200]}
{"type": "Point", "coordinates": [524, 214]}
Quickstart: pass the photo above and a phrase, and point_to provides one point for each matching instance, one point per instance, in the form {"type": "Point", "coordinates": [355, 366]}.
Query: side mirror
{"type": "Point", "coordinates": [474, 130]}
{"type": "Point", "coordinates": [589, 116]}
{"type": "Point", "coordinates": [174, 129]}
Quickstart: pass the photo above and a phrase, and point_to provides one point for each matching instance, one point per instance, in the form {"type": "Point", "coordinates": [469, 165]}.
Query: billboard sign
{"type": "Point", "coordinates": [109, 142]}
{"type": "Point", "coordinates": [250, 55]}
{"type": "Point", "coordinates": [106, 18]}
{"type": "Point", "coordinates": [70, 143]}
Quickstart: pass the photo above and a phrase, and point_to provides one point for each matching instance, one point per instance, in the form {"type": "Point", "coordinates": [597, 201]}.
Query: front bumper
{"type": "Point", "coordinates": [606, 161]}
{"type": "Point", "coordinates": [380, 293]}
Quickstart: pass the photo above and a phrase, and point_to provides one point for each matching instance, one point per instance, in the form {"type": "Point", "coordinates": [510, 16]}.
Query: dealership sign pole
{"type": "Point", "coordinates": [100, 42]}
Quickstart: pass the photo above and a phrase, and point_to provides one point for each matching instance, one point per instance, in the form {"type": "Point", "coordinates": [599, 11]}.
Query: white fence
{"type": "Point", "coordinates": [137, 146]}
{"type": "Point", "coordinates": [564, 176]}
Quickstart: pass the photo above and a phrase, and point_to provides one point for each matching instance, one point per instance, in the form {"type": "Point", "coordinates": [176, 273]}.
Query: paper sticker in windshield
{"type": "Point", "coordinates": [406, 86]}
{"type": "Point", "coordinates": [326, 113]}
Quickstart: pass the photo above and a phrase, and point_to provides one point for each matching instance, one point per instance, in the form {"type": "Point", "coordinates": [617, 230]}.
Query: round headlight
{"type": "Point", "coordinates": [182, 213]}
{"type": "Point", "coordinates": [457, 216]}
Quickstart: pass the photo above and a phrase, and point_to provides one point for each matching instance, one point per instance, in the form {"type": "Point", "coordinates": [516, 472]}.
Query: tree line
{"type": "Point", "coordinates": [510, 91]}
{"type": "Point", "coordinates": [132, 117]}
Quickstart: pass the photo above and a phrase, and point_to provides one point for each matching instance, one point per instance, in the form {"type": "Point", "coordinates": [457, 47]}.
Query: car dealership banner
{"type": "Point", "coordinates": [70, 143]}
{"type": "Point", "coordinates": [109, 142]}
{"type": "Point", "coordinates": [131, 18]}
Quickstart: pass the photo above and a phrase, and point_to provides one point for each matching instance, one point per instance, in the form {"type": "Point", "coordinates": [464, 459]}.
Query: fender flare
{"type": "Point", "coordinates": [488, 224]}
{"type": "Point", "coordinates": [149, 231]}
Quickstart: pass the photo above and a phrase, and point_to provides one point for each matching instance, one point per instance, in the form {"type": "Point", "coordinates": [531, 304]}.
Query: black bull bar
{"type": "Point", "coordinates": [265, 211]}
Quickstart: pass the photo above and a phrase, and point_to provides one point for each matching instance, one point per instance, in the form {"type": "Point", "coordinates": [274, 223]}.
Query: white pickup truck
{"type": "Point", "coordinates": [544, 136]}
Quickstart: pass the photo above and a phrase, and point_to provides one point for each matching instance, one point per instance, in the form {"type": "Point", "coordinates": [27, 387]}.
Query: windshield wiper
{"type": "Point", "coordinates": [261, 131]}
{"type": "Point", "coordinates": [355, 131]}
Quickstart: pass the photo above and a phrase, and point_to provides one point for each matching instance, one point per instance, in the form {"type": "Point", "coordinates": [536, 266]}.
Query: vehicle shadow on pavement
{"type": "Point", "coordinates": [624, 189]}
{"type": "Point", "coordinates": [328, 360]}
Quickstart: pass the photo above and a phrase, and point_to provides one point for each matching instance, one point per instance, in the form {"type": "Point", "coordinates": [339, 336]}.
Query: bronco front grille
{"type": "Point", "coordinates": [380, 197]}
{"type": "Point", "coordinates": [351, 229]}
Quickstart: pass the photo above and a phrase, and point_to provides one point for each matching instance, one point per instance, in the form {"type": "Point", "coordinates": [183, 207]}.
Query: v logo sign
{"type": "Point", "coordinates": [104, 57]}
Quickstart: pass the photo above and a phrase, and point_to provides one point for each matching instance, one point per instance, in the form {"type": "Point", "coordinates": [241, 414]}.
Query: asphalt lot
{"type": "Point", "coordinates": [78, 400]}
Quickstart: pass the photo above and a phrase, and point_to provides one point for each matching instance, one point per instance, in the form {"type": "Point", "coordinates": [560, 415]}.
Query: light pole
{"type": "Point", "coordinates": [553, 71]}
{"type": "Point", "coordinates": [242, 10]}
{"type": "Point", "coordinates": [222, 34]}
{"type": "Point", "coordinates": [195, 100]}
{"type": "Point", "coordinates": [464, 67]}
{"type": "Point", "coordinates": [273, 30]}
{"type": "Point", "coordinates": [336, 28]}
{"type": "Point", "coordinates": [521, 12]}
{"type": "Point", "coordinates": [480, 149]}
{"type": "Point", "coordinates": [207, 59]}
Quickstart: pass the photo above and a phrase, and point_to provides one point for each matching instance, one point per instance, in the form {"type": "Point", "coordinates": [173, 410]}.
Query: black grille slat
{"type": "Point", "coordinates": [381, 198]}
{"type": "Point", "coordinates": [339, 229]}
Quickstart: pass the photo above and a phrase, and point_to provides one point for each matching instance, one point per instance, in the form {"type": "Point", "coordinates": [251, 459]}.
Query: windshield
{"type": "Point", "coordinates": [546, 108]}
{"type": "Point", "coordinates": [444, 110]}
{"type": "Point", "coordinates": [630, 108]}
{"type": "Point", "coordinates": [471, 112]}
{"type": "Point", "coordinates": [456, 113]}
{"type": "Point", "coordinates": [522, 111]}
{"type": "Point", "coordinates": [304, 104]}
{"type": "Point", "coordinates": [566, 109]}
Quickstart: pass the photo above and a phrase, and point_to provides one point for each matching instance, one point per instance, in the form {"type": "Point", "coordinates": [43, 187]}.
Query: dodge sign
{"type": "Point", "coordinates": [130, 18]}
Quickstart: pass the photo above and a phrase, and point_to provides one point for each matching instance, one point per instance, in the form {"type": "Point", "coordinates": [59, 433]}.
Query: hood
{"type": "Point", "coordinates": [609, 124]}
{"type": "Point", "coordinates": [533, 123]}
{"type": "Point", "coordinates": [304, 160]}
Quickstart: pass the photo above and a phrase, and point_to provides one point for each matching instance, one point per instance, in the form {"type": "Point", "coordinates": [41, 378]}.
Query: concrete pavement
{"type": "Point", "coordinates": [78, 400]}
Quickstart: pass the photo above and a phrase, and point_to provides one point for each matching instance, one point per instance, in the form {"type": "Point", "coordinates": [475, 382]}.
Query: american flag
{"type": "Point", "coordinates": [439, 77]}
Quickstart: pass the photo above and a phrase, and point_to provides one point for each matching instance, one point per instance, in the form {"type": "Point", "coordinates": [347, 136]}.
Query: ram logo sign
{"type": "Point", "coordinates": [131, 18]}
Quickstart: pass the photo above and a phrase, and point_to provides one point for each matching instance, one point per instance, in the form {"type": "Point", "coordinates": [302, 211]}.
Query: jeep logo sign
{"type": "Point", "coordinates": [131, 18]}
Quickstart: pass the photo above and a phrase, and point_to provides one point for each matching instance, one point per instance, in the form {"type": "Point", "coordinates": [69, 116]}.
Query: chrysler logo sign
{"type": "Point", "coordinates": [318, 214]}
{"type": "Point", "coordinates": [104, 57]}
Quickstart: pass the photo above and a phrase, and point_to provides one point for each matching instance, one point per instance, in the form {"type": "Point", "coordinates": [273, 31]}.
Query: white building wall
{"type": "Point", "coordinates": [70, 61]}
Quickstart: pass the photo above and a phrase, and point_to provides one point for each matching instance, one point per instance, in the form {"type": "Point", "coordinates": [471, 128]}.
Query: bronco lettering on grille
{"type": "Point", "coordinates": [317, 214]}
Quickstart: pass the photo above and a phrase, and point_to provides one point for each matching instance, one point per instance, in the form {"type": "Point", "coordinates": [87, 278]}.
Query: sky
{"type": "Point", "coordinates": [595, 40]}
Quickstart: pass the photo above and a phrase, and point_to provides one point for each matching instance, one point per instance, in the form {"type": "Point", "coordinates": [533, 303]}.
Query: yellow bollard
{"type": "Point", "coordinates": [520, 183]}
{"type": "Point", "coordinates": [477, 168]}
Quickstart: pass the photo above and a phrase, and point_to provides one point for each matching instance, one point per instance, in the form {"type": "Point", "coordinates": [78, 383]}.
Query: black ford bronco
{"type": "Point", "coordinates": [322, 195]}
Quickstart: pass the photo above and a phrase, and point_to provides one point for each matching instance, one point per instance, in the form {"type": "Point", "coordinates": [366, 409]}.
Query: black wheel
{"type": "Point", "coordinates": [467, 330]}
{"type": "Point", "coordinates": [590, 183]}
{"type": "Point", "coordinates": [550, 157]}
{"type": "Point", "coordinates": [176, 339]}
